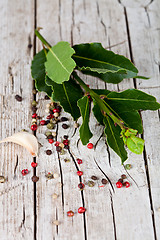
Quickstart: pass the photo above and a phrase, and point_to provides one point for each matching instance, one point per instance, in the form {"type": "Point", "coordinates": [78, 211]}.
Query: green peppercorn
{"type": "Point", "coordinates": [34, 103]}
{"type": "Point", "coordinates": [50, 125]}
{"type": "Point", "coordinates": [91, 183]}
{"type": "Point", "coordinates": [48, 133]}
{"type": "Point", "coordinates": [128, 166]}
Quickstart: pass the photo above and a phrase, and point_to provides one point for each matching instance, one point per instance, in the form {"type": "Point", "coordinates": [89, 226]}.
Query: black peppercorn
{"type": "Point", "coordinates": [64, 119]}
{"type": "Point", "coordinates": [66, 146]}
{"type": "Point", "coordinates": [104, 181]}
{"type": "Point", "coordinates": [59, 107]}
{"type": "Point", "coordinates": [46, 97]}
{"type": "Point", "coordinates": [18, 98]}
{"type": "Point", "coordinates": [65, 126]}
{"type": "Point", "coordinates": [58, 149]}
{"type": "Point", "coordinates": [50, 137]}
{"type": "Point", "coordinates": [94, 178]}
{"type": "Point", "coordinates": [48, 152]}
{"type": "Point", "coordinates": [35, 179]}
{"type": "Point", "coordinates": [65, 137]}
{"type": "Point", "coordinates": [120, 180]}
{"type": "Point", "coordinates": [123, 176]}
{"type": "Point", "coordinates": [34, 109]}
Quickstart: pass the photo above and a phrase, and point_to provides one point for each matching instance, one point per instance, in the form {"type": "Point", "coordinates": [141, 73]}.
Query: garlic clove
{"type": "Point", "coordinates": [25, 139]}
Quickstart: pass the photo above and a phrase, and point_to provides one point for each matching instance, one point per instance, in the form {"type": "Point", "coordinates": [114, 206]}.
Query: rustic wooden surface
{"type": "Point", "coordinates": [131, 28]}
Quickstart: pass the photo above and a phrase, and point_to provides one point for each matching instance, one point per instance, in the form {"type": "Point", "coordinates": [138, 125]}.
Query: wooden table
{"type": "Point", "coordinates": [131, 28]}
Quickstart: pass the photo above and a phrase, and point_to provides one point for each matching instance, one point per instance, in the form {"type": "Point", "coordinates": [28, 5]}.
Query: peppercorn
{"type": "Point", "coordinates": [34, 127]}
{"type": "Point", "coordinates": [66, 160]}
{"type": "Point", "coordinates": [79, 161]}
{"type": "Point", "coordinates": [63, 119]}
{"type": "Point", "coordinates": [54, 195]}
{"type": "Point", "coordinates": [42, 122]}
{"type": "Point", "coordinates": [94, 178]}
{"type": "Point", "coordinates": [90, 145]}
{"type": "Point", "coordinates": [34, 115]}
{"type": "Point", "coordinates": [2, 179]}
{"type": "Point", "coordinates": [79, 173]}
{"type": "Point", "coordinates": [24, 172]}
{"type": "Point", "coordinates": [18, 98]}
{"type": "Point", "coordinates": [70, 213]}
{"type": "Point", "coordinates": [120, 180]}
{"type": "Point", "coordinates": [91, 183]}
{"type": "Point", "coordinates": [104, 181]}
{"type": "Point", "coordinates": [65, 126]}
{"type": "Point", "coordinates": [34, 109]}
{"type": "Point", "coordinates": [66, 146]}
{"type": "Point", "coordinates": [123, 176]}
{"type": "Point", "coordinates": [56, 114]}
{"type": "Point", "coordinates": [48, 152]}
{"type": "Point", "coordinates": [54, 134]}
{"type": "Point", "coordinates": [65, 137]}
{"type": "Point", "coordinates": [81, 186]}
{"type": "Point", "coordinates": [118, 184]}
{"type": "Point", "coordinates": [50, 141]}
{"type": "Point", "coordinates": [48, 133]}
{"type": "Point", "coordinates": [61, 145]}
{"type": "Point", "coordinates": [34, 103]}
{"type": "Point", "coordinates": [50, 137]}
{"type": "Point", "coordinates": [49, 116]}
{"type": "Point", "coordinates": [35, 179]}
{"type": "Point", "coordinates": [50, 125]}
{"type": "Point", "coordinates": [126, 184]}
{"type": "Point", "coordinates": [33, 164]}
{"type": "Point", "coordinates": [76, 125]}
{"type": "Point", "coordinates": [34, 91]}
{"type": "Point", "coordinates": [81, 210]}
{"type": "Point", "coordinates": [128, 166]}
{"type": "Point", "coordinates": [56, 110]}
{"type": "Point", "coordinates": [58, 148]}
{"type": "Point", "coordinates": [46, 97]}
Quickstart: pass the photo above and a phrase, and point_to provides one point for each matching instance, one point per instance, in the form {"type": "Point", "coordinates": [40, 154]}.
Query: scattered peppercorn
{"type": "Point", "coordinates": [42, 122]}
{"type": "Point", "coordinates": [34, 115]}
{"type": "Point", "coordinates": [79, 173]}
{"type": "Point", "coordinates": [65, 137]}
{"type": "Point", "coordinates": [24, 172]}
{"type": "Point", "coordinates": [81, 210]}
{"type": "Point", "coordinates": [76, 125]}
{"type": "Point", "coordinates": [90, 183]}
{"type": "Point", "coordinates": [123, 176]}
{"type": "Point", "coordinates": [118, 184]}
{"type": "Point", "coordinates": [126, 184]}
{"type": "Point", "coordinates": [46, 97]}
{"type": "Point", "coordinates": [48, 152]}
{"type": "Point", "coordinates": [94, 178]}
{"type": "Point", "coordinates": [66, 160]}
{"type": "Point", "coordinates": [50, 137]}
{"type": "Point", "coordinates": [65, 126]}
{"type": "Point", "coordinates": [70, 213]}
{"type": "Point", "coordinates": [54, 195]}
{"type": "Point", "coordinates": [34, 109]}
{"type": "Point", "coordinates": [55, 110]}
{"type": "Point", "coordinates": [35, 179]}
{"type": "Point", "coordinates": [79, 161]}
{"type": "Point", "coordinates": [34, 103]}
{"type": "Point", "coordinates": [34, 127]}
{"type": "Point", "coordinates": [50, 141]}
{"type": "Point", "coordinates": [33, 164]}
{"type": "Point", "coordinates": [50, 125]}
{"type": "Point", "coordinates": [65, 142]}
{"type": "Point", "coordinates": [128, 166]}
{"type": "Point", "coordinates": [58, 149]}
{"type": "Point", "coordinates": [66, 146]}
{"type": "Point", "coordinates": [120, 180]}
{"type": "Point", "coordinates": [63, 119]}
{"type": "Point", "coordinates": [49, 116]}
{"type": "Point", "coordinates": [48, 133]}
{"type": "Point", "coordinates": [56, 114]}
{"type": "Point", "coordinates": [90, 145]}
{"type": "Point", "coordinates": [2, 179]}
{"type": "Point", "coordinates": [57, 143]}
{"type": "Point", "coordinates": [81, 186]}
{"type": "Point", "coordinates": [104, 181]}
{"type": "Point", "coordinates": [18, 98]}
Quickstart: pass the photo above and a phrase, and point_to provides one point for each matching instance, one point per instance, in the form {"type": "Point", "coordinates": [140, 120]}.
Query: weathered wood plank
{"type": "Point", "coordinates": [147, 40]}
{"type": "Point", "coordinates": [111, 212]}
{"type": "Point", "coordinates": [16, 194]}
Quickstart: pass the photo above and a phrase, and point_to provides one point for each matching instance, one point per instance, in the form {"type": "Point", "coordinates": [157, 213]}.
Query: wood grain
{"type": "Point", "coordinates": [29, 212]}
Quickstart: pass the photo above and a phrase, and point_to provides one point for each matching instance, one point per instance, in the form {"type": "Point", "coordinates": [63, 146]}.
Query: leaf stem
{"type": "Point", "coordinates": [42, 39]}
{"type": "Point", "coordinates": [102, 104]}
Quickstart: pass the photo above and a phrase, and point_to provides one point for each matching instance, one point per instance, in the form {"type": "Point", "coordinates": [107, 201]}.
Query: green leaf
{"type": "Point", "coordinates": [113, 138]}
{"type": "Point", "coordinates": [104, 92]}
{"type": "Point", "coordinates": [60, 65]}
{"type": "Point", "coordinates": [132, 99]}
{"type": "Point", "coordinates": [85, 133]}
{"type": "Point", "coordinates": [38, 73]}
{"type": "Point", "coordinates": [97, 112]}
{"type": "Point", "coordinates": [67, 93]}
{"type": "Point", "coordinates": [135, 144]}
{"type": "Point", "coordinates": [94, 60]}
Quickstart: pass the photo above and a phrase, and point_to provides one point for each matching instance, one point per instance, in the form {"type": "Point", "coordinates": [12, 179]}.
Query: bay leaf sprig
{"type": "Point", "coordinates": [55, 69]}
